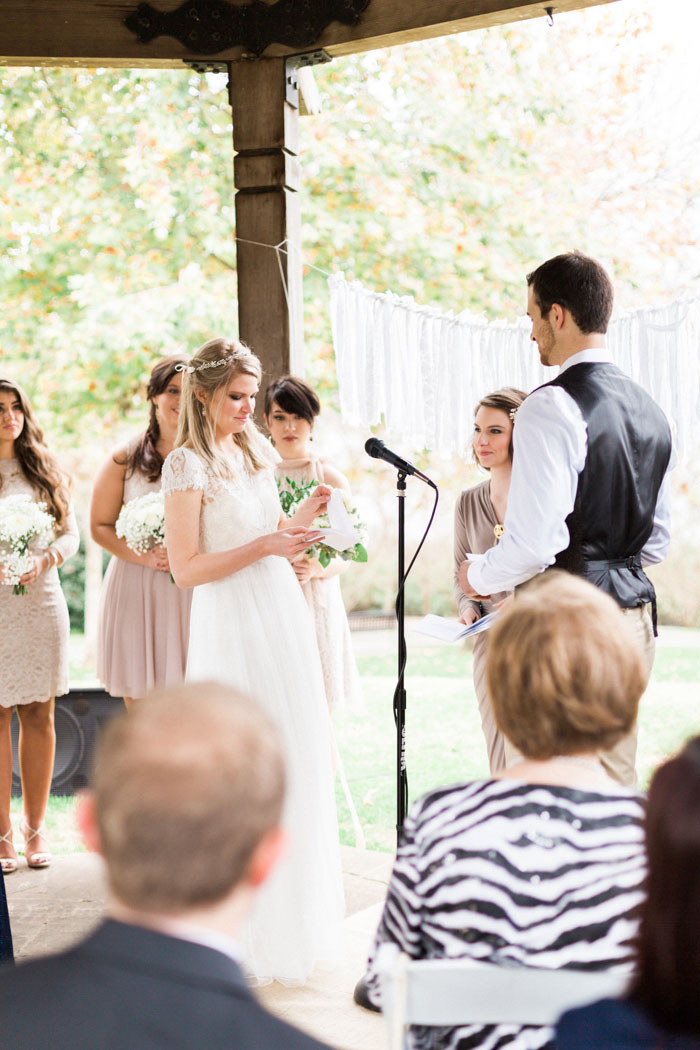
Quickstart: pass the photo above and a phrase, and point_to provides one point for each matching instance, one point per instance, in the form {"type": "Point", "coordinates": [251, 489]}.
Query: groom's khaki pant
{"type": "Point", "coordinates": [619, 761]}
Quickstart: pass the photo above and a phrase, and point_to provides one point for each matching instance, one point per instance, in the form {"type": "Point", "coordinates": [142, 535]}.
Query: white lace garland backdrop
{"type": "Point", "coordinates": [421, 371]}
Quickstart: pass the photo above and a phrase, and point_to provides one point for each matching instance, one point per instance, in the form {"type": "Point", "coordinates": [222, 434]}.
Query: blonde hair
{"type": "Point", "coordinates": [185, 788]}
{"type": "Point", "coordinates": [223, 360]}
{"type": "Point", "coordinates": [564, 670]}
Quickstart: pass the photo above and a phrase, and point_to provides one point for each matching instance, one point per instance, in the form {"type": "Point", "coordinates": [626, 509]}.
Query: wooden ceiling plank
{"type": "Point", "coordinates": [93, 33]}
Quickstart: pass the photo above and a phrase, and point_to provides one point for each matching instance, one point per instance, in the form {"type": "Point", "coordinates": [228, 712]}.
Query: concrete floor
{"type": "Point", "coordinates": [52, 909]}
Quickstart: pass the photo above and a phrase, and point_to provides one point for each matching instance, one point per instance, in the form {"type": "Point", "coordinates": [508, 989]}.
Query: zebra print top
{"type": "Point", "coordinates": [520, 875]}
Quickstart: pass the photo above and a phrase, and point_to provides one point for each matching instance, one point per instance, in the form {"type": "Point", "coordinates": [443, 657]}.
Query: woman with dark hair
{"type": "Point", "coordinates": [291, 407]}
{"type": "Point", "coordinates": [144, 618]}
{"type": "Point", "coordinates": [662, 1008]}
{"type": "Point", "coordinates": [479, 516]}
{"type": "Point", "coordinates": [34, 627]}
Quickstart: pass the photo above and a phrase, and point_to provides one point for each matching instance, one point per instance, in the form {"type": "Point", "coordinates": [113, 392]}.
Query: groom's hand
{"type": "Point", "coordinates": [463, 581]}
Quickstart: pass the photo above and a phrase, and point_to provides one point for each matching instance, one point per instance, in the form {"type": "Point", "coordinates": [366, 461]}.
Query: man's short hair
{"type": "Point", "coordinates": [564, 670]}
{"type": "Point", "coordinates": [578, 283]}
{"type": "Point", "coordinates": [186, 785]}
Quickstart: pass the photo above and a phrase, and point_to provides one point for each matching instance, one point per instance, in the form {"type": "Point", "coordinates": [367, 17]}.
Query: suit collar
{"type": "Point", "coordinates": [140, 948]}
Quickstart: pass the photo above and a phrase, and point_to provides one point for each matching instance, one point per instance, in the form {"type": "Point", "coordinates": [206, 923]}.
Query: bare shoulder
{"type": "Point", "coordinates": [334, 477]}
{"type": "Point", "coordinates": [121, 455]}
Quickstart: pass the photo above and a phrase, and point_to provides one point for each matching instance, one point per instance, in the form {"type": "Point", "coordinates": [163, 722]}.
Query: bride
{"type": "Point", "coordinates": [251, 627]}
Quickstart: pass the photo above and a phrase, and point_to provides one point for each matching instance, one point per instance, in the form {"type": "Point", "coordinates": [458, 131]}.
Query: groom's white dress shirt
{"type": "Point", "coordinates": [550, 441]}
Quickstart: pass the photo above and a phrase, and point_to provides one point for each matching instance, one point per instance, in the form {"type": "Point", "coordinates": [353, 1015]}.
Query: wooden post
{"type": "Point", "coordinates": [266, 176]}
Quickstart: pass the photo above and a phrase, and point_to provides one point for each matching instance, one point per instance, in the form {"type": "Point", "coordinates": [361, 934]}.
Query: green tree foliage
{"type": "Point", "coordinates": [116, 233]}
{"type": "Point", "coordinates": [446, 170]}
{"type": "Point", "coordinates": [442, 170]}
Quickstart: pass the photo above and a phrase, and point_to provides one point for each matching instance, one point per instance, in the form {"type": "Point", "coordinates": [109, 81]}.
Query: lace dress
{"type": "Point", "coordinates": [325, 599]}
{"type": "Point", "coordinates": [34, 627]}
{"type": "Point", "coordinates": [144, 621]}
{"type": "Point", "coordinates": [253, 630]}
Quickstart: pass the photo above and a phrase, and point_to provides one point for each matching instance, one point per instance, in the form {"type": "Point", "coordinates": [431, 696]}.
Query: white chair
{"type": "Point", "coordinates": [452, 992]}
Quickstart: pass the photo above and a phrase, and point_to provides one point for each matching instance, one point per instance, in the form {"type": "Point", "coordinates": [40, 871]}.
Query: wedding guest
{"type": "Point", "coordinates": [479, 516]}
{"type": "Point", "coordinates": [34, 628]}
{"type": "Point", "coordinates": [185, 810]}
{"type": "Point", "coordinates": [590, 490]}
{"type": "Point", "coordinates": [543, 864]}
{"type": "Point", "coordinates": [144, 618]}
{"type": "Point", "coordinates": [662, 1007]}
{"type": "Point", "coordinates": [251, 627]}
{"type": "Point", "coordinates": [291, 407]}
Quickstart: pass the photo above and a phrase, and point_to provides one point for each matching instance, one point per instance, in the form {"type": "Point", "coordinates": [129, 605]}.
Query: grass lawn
{"type": "Point", "coordinates": [443, 732]}
{"type": "Point", "coordinates": [444, 743]}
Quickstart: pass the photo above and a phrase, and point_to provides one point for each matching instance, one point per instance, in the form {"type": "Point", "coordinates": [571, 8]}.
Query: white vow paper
{"type": "Point", "coordinates": [446, 630]}
{"type": "Point", "coordinates": [342, 533]}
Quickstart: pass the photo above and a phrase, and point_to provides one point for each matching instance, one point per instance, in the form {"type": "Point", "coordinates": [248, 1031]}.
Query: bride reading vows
{"type": "Point", "coordinates": [251, 628]}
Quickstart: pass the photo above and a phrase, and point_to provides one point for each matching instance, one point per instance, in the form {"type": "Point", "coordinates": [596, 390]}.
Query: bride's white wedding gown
{"type": "Point", "coordinates": [253, 630]}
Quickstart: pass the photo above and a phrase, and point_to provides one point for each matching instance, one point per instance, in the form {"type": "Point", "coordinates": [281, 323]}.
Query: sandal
{"type": "Point", "coordinates": [8, 864]}
{"type": "Point", "coordinates": [40, 859]}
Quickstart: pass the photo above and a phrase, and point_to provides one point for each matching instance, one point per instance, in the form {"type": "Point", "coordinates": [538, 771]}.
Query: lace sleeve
{"type": "Point", "coordinates": [183, 470]}
{"type": "Point", "coordinates": [68, 540]}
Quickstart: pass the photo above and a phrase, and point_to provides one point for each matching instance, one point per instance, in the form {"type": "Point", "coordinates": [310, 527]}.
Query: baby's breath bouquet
{"type": "Point", "coordinates": [294, 492]}
{"type": "Point", "coordinates": [21, 520]}
{"type": "Point", "coordinates": [141, 522]}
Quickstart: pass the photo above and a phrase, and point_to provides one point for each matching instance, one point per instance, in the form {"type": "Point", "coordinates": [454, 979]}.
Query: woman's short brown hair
{"type": "Point", "coordinates": [564, 670]}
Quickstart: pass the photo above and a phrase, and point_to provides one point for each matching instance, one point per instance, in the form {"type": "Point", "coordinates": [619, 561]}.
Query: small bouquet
{"type": "Point", "coordinates": [293, 492]}
{"type": "Point", "coordinates": [141, 523]}
{"type": "Point", "coordinates": [21, 520]}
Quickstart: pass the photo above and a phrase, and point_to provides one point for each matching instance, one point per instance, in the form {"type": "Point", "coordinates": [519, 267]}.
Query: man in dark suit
{"type": "Point", "coordinates": [186, 804]}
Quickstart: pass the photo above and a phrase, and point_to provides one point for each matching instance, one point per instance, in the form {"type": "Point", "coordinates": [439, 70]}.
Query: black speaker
{"type": "Point", "coordinates": [80, 715]}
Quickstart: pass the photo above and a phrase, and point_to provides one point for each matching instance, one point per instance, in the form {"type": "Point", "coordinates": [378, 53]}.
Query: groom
{"type": "Point", "coordinates": [590, 487]}
{"type": "Point", "coordinates": [188, 792]}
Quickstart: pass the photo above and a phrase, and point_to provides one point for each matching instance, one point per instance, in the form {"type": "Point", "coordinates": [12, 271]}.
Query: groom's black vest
{"type": "Point", "coordinates": [629, 447]}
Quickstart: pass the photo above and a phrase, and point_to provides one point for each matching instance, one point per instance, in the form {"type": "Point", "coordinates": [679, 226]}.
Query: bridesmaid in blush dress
{"type": "Point", "coordinates": [290, 408]}
{"type": "Point", "coordinates": [479, 516]}
{"type": "Point", "coordinates": [144, 617]}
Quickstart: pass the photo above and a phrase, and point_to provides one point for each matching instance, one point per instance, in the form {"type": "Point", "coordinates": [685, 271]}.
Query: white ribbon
{"type": "Point", "coordinates": [422, 371]}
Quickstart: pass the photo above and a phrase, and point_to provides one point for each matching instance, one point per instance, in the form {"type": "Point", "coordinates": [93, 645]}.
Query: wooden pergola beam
{"type": "Point", "coordinates": [92, 32]}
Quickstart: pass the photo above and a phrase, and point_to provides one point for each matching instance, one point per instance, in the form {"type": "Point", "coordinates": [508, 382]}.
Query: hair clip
{"type": "Point", "coordinates": [513, 413]}
{"type": "Point", "coordinates": [205, 364]}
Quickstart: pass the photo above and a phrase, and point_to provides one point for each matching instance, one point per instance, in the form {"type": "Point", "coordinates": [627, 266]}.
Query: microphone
{"type": "Point", "coordinates": [378, 450]}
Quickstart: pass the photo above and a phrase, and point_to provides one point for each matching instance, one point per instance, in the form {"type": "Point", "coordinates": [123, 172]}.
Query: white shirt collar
{"type": "Point", "coordinates": [186, 931]}
{"type": "Point", "coordinates": [597, 356]}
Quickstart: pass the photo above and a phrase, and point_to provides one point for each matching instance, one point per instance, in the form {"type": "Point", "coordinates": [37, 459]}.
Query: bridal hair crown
{"type": "Point", "coordinates": [189, 369]}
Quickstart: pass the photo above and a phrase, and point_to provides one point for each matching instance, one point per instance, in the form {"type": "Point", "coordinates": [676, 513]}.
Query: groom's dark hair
{"type": "Point", "coordinates": [186, 786]}
{"type": "Point", "coordinates": [578, 283]}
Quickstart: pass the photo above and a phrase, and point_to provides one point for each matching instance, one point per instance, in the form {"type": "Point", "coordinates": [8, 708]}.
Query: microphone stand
{"type": "Point", "coordinates": [400, 694]}
{"type": "Point", "coordinates": [378, 450]}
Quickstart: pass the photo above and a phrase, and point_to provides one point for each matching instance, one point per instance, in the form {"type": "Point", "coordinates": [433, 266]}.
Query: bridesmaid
{"type": "Point", "coordinates": [479, 516]}
{"type": "Point", "coordinates": [290, 409]}
{"type": "Point", "coordinates": [33, 626]}
{"type": "Point", "coordinates": [144, 617]}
